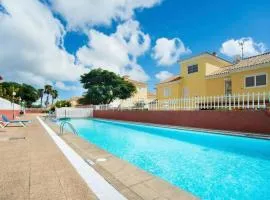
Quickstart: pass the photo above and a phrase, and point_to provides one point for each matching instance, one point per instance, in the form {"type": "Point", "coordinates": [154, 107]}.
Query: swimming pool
{"type": "Point", "coordinates": [211, 166]}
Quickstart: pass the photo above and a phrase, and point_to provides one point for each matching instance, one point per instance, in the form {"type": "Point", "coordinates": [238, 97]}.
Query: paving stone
{"type": "Point", "coordinates": [130, 195]}
{"type": "Point", "coordinates": [35, 168]}
{"type": "Point", "coordinates": [113, 164]}
{"type": "Point", "coordinates": [14, 189]}
{"type": "Point", "coordinates": [130, 175]}
{"type": "Point", "coordinates": [145, 192]}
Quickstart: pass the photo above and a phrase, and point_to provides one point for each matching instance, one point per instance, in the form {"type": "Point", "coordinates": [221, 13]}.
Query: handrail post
{"type": "Point", "coordinates": [258, 100]}
{"type": "Point", "coordinates": [264, 105]}
{"type": "Point", "coordinates": [248, 100]}
{"type": "Point", "coordinates": [234, 101]}
{"type": "Point", "coordinates": [243, 103]}
{"type": "Point", "coordinates": [230, 102]}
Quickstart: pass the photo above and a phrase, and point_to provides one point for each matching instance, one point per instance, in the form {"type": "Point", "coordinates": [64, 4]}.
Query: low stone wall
{"type": "Point", "coordinates": [243, 121]}
{"type": "Point", "coordinates": [35, 110]}
{"type": "Point", "coordinates": [9, 113]}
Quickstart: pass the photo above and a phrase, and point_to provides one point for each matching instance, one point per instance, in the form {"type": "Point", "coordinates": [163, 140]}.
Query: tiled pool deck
{"type": "Point", "coordinates": [35, 168]}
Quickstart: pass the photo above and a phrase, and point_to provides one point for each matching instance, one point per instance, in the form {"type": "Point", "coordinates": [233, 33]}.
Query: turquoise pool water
{"type": "Point", "coordinates": [211, 166]}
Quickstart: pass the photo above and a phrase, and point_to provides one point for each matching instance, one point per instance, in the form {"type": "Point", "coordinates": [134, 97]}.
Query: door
{"type": "Point", "coordinates": [185, 92]}
{"type": "Point", "coordinates": [228, 87]}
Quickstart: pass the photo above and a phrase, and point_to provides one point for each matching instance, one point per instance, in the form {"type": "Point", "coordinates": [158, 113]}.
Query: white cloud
{"type": "Point", "coordinates": [32, 50]}
{"type": "Point", "coordinates": [232, 48]}
{"type": "Point", "coordinates": [62, 86]}
{"type": "Point", "coordinates": [117, 52]}
{"type": "Point", "coordinates": [28, 77]}
{"type": "Point", "coordinates": [31, 45]}
{"type": "Point", "coordinates": [134, 40]}
{"type": "Point", "coordinates": [136, 72]}
{"type": "Point", "coordinates": [166, 52]}
{"type": "Point", "coordinates": [85, 13]}
{"type": "Point", "coordinates": [163, 75]}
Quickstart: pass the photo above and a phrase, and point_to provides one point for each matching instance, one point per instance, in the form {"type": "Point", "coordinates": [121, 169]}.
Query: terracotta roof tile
{"type": "Point", "coordinates": [134, 81]}
{"type": "Point", "coordinates": [242, 64]}
{"type": "Point", "coordinates": [171, 79]}
{"type": "Point", "coordinates": [205, 53]}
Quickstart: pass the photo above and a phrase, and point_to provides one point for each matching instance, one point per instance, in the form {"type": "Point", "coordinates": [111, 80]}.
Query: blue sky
{"type": "Point", "coordinates": [161, 32]}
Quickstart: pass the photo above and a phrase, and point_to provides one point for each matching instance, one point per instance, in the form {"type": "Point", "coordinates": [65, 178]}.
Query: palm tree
{"type": "Point", "coordinates": [1, 87]}
{"type": "Point", "coordinates": [54, 95]}
{"type": "Point", "coordinates": [1, 90]}
{"type": "Point", "coordinates": [40, 94]}
{"type": "Point", "coordinates": [48, 91]}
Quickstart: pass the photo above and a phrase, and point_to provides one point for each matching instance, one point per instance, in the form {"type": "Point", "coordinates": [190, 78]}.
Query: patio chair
{"type": "Point", "coordinates": [5, 121]}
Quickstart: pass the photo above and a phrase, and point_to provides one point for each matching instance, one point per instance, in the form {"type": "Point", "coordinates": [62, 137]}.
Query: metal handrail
{"type": "Point", "coordinates": [70, 126]}
{"type": "Point", "coordinates": [50, 116]}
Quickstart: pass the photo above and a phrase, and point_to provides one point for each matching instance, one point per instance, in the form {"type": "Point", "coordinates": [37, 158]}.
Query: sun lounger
{"type": "Point", "coordinates": [6, 121]}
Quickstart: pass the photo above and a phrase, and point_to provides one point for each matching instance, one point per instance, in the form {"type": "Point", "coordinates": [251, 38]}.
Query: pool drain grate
{"type": "Point", "coordinates": [89, 162]}
{"type": "Point", "coordinates": [17, 138]}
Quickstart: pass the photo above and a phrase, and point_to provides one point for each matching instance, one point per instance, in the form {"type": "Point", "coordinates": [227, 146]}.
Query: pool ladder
{"type": "Point", "coordinates": [70, 126]}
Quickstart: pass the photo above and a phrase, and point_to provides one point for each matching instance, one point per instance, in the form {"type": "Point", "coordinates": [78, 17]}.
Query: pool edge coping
{"type": "Point", "coordinates": [100, 187]}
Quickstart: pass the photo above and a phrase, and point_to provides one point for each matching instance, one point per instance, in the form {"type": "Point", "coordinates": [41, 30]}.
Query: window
{"type": "Point", "coordinates": [167, 92]}
{"type": "Point", "coordinates": [192, 69]}
{"type": "Point", "coordinates": [228, 87]}
{"type": "Point", "coordinates": [261, 80]}
{"type": "Point", "coordinates": [256, 80]}
{"type": "Point", "coordinates": [250, 81]}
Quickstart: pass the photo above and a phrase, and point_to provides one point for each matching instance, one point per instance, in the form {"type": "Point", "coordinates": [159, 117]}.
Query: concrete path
{"type": "Point", "coordinates": [32, 167]}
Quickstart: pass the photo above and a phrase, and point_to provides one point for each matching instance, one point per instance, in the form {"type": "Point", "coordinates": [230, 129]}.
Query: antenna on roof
{"type": "Point", "coordinates": [236, 59]}
{"type": "Point", "coordinates": [242, 43]}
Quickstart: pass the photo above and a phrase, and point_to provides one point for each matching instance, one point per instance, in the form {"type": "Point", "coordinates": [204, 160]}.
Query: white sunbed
{"type": "Point", "coordinates": [6, 122]}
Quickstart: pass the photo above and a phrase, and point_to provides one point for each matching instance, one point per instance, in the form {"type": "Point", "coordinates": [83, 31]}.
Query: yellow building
{"type": "Point", "coordinates": [141, 96]}
{"type": "Point", "coordinates": [151, 97]}
{"type": "Point", "coordinates": [141, 90]}
{"type": "Point", "coordinates": [210, 75]}
{"type": "Point", "coordinates": [170, 88]}
{"type": "Point", "coordinates": [74, 101]}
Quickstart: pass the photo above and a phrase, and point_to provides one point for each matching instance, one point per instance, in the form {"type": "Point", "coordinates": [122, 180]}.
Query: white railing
{"type": "Point", "coordinates": [222, 102]}
{"type": "Point", "coordinates": [67, 112]}
{"type": "Point", "coordinates": [8, 105]}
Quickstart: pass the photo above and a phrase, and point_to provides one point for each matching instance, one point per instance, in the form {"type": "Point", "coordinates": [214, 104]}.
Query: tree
{"type": "Point", "coordinates": [1, 87]}
{"type": "Point", "coordinates": [103, 87]}
{"type": "Point", "coordinates": [48, 91]}
{"type": "Point", "coordinates": [62, 103]}
{"type": "Point", "coordinates": [23, 92]}
{"type": "Point", "coordinates": [41, 93]}
{"type": "Point", "coordinates": [54, 95]}
{"type": "Point", "coordinates": [139, 104]}
{"type": "Point", "coordinates": [28, 94]}
{"type": "Point", "coordinates": [8, 88]}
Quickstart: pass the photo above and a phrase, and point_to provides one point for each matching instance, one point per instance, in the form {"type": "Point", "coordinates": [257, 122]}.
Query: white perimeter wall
{"type": "Point", "coordinates": [68, 112]}
{"type": "Point", "coordinates": [7, 105]}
